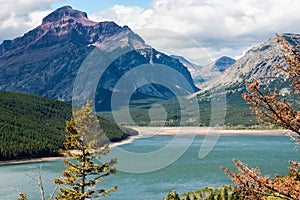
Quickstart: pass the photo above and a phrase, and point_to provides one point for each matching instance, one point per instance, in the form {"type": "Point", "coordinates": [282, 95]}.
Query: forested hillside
{"type": "Point", "coordinates": [33, 126]}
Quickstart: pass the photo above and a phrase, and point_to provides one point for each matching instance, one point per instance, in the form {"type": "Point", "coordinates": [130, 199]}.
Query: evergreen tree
{"type": "Point", "coordinates": [81, 175]}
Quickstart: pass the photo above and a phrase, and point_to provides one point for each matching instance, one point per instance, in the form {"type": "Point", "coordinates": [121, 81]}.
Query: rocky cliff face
{"type": "Point", "coordinates": [45, 61]}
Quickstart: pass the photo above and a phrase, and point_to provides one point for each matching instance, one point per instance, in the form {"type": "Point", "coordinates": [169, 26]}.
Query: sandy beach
{"type": "Point", "coordinates": [144, 131]}
{"type": "Point", "coordinates": [150, 131]}
{"type": "Point", "coordinates": [24, 161]}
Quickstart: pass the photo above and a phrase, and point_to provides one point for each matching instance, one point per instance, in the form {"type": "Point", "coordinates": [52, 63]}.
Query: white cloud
{"type": "Point", "coordinates": [222, 27]}
{"type": "Point", "coordinates": [124, 15]}
{"type": "Point", "coordinates": [19, 16]}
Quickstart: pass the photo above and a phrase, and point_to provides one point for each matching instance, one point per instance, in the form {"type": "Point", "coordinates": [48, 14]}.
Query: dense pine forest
{"type": "Point", "coordinates": [33, 126]}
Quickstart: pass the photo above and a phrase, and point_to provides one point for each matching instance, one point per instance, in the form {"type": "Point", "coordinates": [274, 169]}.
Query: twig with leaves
{"type": "Point", "coordinates": [253, 185]}
{"type": "Point", "coordinates": [272, 109]}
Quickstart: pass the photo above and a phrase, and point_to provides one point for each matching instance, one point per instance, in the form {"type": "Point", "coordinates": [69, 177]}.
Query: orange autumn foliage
{"type": "Point", "coordinates": [253, 185]}
{"type": "Point", "coordinates": [270, 107]}
{"type": "Point", "coordinates": [273, 109]}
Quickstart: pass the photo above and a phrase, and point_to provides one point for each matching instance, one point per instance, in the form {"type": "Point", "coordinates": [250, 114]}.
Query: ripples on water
{"type": "Point", "coordinates": [270, 153]}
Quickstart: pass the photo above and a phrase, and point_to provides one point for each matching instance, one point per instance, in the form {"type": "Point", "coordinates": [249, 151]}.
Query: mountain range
{"type": "Point", "coordinates": [50, 59]}
{"type": "Point", "coordinates": [45, 61]}
{"type": "Point", "coordinates": [258, 63]}
{"type": "Point", "coordinates": [203, 74]}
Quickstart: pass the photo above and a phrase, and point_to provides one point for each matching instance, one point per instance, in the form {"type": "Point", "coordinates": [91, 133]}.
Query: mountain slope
{"type": "Point", "coordinates": [201, 75]}
{"type": "Point", "coordinates": [259, 63]}
{"type": "Point", "coordinates": [222, 64]}
{"type": "Point", "coordinates": [214, 70]}
{"type": "Point", "coordinates": [45, 61]}
{"type": "Point", "coordinates": [33, 126]}
{"type": "Point", "coordinates": [193, 68]}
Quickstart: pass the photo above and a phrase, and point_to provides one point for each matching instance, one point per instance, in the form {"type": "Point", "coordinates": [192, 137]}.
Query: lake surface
{"type": "Point", "coordinates": [270, 152]}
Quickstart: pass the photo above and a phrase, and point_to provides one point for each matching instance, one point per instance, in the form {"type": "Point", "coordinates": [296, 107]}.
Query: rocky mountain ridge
{"type": "Point", "coordinates": [258, 63]}
{"type": "Point", "coordinates": [45, 61]}
{"type": "Point", "coordinates": [66, 24]}
{"type": "Point", "coordinates": [223, 63]}
{"type": "Point", "coordinates": [203, 75]}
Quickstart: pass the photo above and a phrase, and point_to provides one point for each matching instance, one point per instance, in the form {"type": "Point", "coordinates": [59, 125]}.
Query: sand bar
{"type": "Point", "coordinates": [144, 131]}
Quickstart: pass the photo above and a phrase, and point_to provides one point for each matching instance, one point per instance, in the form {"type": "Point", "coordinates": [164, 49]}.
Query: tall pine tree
{"type": "Point", "coordinates": [81, 175]}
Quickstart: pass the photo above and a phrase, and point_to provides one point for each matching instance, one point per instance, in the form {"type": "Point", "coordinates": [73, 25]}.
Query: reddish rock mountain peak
{"type": "Point", "coordinates": [67, 15]}
{"type": "Point", "coordinates": [65, 24]}
{"type": "Point", "coordinates": [66, 11]}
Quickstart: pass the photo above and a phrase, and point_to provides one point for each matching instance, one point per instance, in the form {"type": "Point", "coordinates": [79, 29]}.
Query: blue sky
{"type": "Point", "coordinates": [93, 6]}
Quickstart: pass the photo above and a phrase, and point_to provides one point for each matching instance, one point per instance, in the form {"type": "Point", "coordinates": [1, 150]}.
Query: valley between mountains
{"type": "Point", "coordinates": [38, 72]}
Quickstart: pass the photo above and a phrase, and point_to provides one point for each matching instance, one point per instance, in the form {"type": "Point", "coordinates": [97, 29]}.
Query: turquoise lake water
{"type": "Point", "coordinates": [270, 153]}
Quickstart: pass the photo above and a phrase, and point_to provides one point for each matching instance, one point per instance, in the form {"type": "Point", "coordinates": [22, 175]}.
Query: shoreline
{"type": "Point", "coordinates": [189, 130]}
{"type": "Point", "coordinates": [151, 131]}
{"type": "Point", "coordinates": [32, 160]}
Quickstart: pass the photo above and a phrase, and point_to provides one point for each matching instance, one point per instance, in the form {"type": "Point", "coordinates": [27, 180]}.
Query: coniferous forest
{"type": "Point", "coordinates": [33, 126]}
